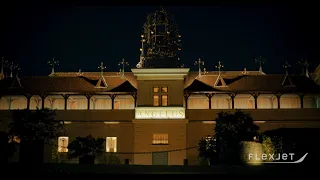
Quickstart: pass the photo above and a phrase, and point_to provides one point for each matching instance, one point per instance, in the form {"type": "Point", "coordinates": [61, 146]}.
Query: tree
{"type": "Point", "coordinates": [86, 148]}
{"type": "Point", "coordinates": [270, 145]}
{"type": "Point", "coordinates": [34, 129]}
{"type": "Point", "coordinates": [207, 150]}
{"type": "Point", "coordinates": [230, 130]}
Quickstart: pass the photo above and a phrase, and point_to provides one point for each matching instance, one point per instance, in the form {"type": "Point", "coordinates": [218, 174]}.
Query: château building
{"type": "Point", "coordinates": [160, 105]}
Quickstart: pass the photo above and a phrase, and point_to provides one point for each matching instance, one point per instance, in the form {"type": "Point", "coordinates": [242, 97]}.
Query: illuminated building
{"type": "Point", "coordinates": [160, 105]}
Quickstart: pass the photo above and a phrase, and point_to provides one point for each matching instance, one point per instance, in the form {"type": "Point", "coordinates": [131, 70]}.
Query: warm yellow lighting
{"type": "Point", "coordinates": [164, 89]}
{"type": "Point", "coordinates": [164, 100]}
{"type": "Point", "coordinates": [140, 49]}
{"type": "Point", "coordinates": [63, 143]}
{"type": "Point", "coordinates": [15, 139]}
{"type": "Point", "coordinates": [209, 122]}
{"type": "Point", "coordinates": [111, 144]}
{"type": "Point", "coordinates": [179, 49]}
{"type": "Point", "coordinates": [159, 113]}
{"type": "Point", "coordinates": [258, 122]}
{"type": "Point", "coordinates": [251, 151]}
{"type": "Point", "coordinates": [160, 139]}
{"type": "Point", "coordinates": [155, 89]}
{"type": "Point", "coordinates": [179, 36]}
{"type": "Point", "coordinates": [152, 32]}
{"type": "Point", "coordinates": [67, 122]}
{"type": "Point", "coordinates": [142, 35]}
{"type": "Point", "coordinates": [111, 122]}
{"type": "Point", "coordinates": [155, 100]}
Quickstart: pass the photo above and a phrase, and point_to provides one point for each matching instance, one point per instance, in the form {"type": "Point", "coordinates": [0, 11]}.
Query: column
{"type": "Point", "coordinates": [186, 97]}
{"type": "Point", "coordinates": [65, 96]}
{"type": "Point", "coordinates": [232, 95]}
{"type": "Point", "coordinates": [88, 96]}
{"type": "Point", "coordinates": [255, 96]}
{"type": "Point", "coordinates": [112, 96]}
{"type": "Point", "coordinates": [209, 97]}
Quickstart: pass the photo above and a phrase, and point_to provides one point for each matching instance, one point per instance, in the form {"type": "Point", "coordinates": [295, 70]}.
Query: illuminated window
{"type": "Point", "coordinates": [63, 144]}
{"type": "Point", "coordinates": [155, 89]}
{"type": "Point", "coordinates": [155, 100]}
{"type": "Point", "coordinates": [15, 139]}
{"type": "Point", "coordinates": [160, 139]}
{"type": "Point", "coordinates": [111, 144]}
{"type": "Point", "coordinates": [164, 89]}
{"type": "Point", "coordinates": [164, 100]}
{"type": "Point", "coordinates": [116, 104]}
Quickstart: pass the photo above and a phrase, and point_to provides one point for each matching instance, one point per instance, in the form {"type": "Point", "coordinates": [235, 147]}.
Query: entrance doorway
{"type": "Point", "coordinates": [160, 158]}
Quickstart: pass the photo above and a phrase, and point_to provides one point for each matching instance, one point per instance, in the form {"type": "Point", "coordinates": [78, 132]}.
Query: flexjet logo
{"type": "Point", "coordinates": [275, 158]}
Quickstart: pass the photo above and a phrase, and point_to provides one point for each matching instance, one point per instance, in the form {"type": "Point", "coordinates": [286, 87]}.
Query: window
{"type": "Point", "coordinates": [116, 104]}
{"type": "Point", "coordinates": [63, 144]}
{"type": "Point", "coordinates": [160, 98]}
{"type": "Point", "coordinates": [111, 144]}
{"type": "Point", "coordinates": [155, 100]}
{"type": "Point", "coordinates": [160, 139]}
{"type": "Point", "coordinates": [164, 100]}
{"type": "Point", "coordinates": [15, 139]}
{"type": "Point", "coordinates": [164, 89]}
{"type": "Point", "coordinates": [155, 89]}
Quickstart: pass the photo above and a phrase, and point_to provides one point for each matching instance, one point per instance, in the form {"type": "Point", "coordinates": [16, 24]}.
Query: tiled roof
{"type": "Point", "coordinates": [236, 81]}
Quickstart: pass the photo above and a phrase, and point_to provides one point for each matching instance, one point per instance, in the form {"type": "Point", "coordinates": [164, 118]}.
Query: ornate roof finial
{"type": "Point", "coordinates": [205, 71]}
{"type": "Point", "coordinates": [305, 65]}
{"type": "Point", "coordinates": [219, 67]}
{"type": "Point", "coordinates": [261, 61]}
{"type": "Point", "coordinates": [79, 72]}
{"type": "Point", "coordinates": [17, 69]}
{"type": "Point", "coordinates": [53, 63]}
{"type": "Point", "coordinates": [11, 69]}
{"type": "Point", "coordinates": [123, 63]}
{"type": "Point", "coordinates": [102, 68]}
{"type": "Point", "coordinates": [199, 63]}
{"type": "Point", "coordinates": [286, 67]}
{"type": "Point", "coordinates": [2, 68]}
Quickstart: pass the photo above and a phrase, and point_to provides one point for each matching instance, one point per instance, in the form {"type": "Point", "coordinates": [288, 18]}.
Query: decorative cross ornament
{"type": "Point", "coordinates": [199, 63]}
{"type": "Point", "coordinates": [219, 66]}
{"type": "Point", "coordinates": [305, 65]}
{"type": "Point", "coordinates": [53, 63]}
{"type": "Point", "coordinates": [122, 63]}
{"type": "Point", "coordinates": [17, 69]}
{"type": "Point", "coordinates": [11, 69]}
{"type": "Point", "coordinates": [102, 67]}
{"type": "Point", "coordinates": [286, 66]}
{"type": "Point", "coordinates": [261, 61]}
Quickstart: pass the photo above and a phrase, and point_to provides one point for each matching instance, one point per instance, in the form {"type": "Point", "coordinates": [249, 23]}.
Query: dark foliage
{"type": "Point", "coordinates": [230, 130]}
{"type": "Point", "coordinates": [86, 148]}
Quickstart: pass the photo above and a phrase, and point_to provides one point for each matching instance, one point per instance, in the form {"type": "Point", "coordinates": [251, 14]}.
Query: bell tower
{"type": "Point", "coordinates": [161, 41]}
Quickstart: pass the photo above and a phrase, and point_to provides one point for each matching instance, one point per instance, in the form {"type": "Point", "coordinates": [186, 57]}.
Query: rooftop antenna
{"type": "Point", "coordinates": [199, 62]}
{"type": "Point", "coordinates": [53, 63]}
{"type": "Point", "coordinates": [123, 63]}
{"type": "Point", "coordinates": [102, 67]}
{"type": "Point", "coordinates": [219, 66]}
{"type": "Point", "coordinates": [261, 61]}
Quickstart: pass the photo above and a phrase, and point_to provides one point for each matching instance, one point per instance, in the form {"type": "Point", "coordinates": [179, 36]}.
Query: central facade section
{"type": "Point", "coordinates": [160, 125]}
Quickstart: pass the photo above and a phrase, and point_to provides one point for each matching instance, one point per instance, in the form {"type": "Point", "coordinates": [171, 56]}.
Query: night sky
{"type": "Point", "coordinates": [82, 37]}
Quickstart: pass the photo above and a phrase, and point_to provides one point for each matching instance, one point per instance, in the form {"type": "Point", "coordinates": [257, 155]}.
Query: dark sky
{"type": "Point", "coordinates": [82, 37]}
